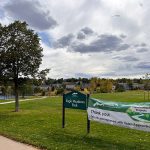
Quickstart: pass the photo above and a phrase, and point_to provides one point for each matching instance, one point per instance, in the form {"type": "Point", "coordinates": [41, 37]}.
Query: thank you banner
{"type": "Point", "coordinates": [130, 115]}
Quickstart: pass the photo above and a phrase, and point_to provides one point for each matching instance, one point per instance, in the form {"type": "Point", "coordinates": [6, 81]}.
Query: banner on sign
{"type": "Point", "coordinates": [130, 115]}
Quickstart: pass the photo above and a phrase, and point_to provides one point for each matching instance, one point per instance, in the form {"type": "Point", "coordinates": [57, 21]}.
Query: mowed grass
{"type": "Point", "coordinates": [129, 96]}
{"type": "Point", "coordinates": [1, 101]}
{"type": "Point", "coordinates": [8, 100]}
{"type": "Point", "coordinates": [39, 123]}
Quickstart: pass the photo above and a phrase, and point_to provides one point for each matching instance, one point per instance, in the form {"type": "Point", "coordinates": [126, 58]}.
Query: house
{"type": "Point", "coordinates": [70, 86]}
{"type": "Point", "coordinates": [125, 86]}
{"type": "Point", "coordinates": [138, 86]}
{"type": "Point", "coordinates": [44, 87]}
{"type": "Point", "coordinates": [57, 85]}
{"type": "Point", "coordinates": [85, 86]}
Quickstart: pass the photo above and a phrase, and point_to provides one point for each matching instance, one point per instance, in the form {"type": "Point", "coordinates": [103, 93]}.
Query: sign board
{"type": "Point", "coordinates": [129, 115]}
{"type": "Point", "coordinates": [75, 100]}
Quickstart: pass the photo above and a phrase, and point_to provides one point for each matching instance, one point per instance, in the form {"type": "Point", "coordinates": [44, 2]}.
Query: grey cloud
{"type": "Point", "coordinates": [104, 43]}
{"type": "Point", "coordinates": [2, 13]}
{"type": "Point", "coordinates": [63, 41]}
{"type": "Point", "coordinates": [84, 32]}
{"type": "Point", "coordinates": [143, 44]}
{"type": "Point", "coordinates": [140, 45]}
{"type": "Point", "coordinates": [141, 50]}
{"type": "Point", "coordinates": [143, 65]}
{"type": "Point", "coordinates": [123, 36]}
{"type": "Point", "coordinates": [81, 36]}
{"type": "Point", "coordinates": [141, 4]}
{"type": "Point", "coordinates": [83, 75]}
{"type": "Point", "coordinates": [108, 74]}
{"type": "Point", "coordinates": [116, 15]}
{"type": "Point", "coordinates": [123, 47]}
{"type": "Point", "coordinates": [126, 24]}
{"type": "Point", "coordinates": [126, 58]}
{"type": "Point", "coordinates": [87, 30]}
{"type": "Point", "coordinates": [136, 45]}
{"type": "Point", "coordinates": [31, 12]}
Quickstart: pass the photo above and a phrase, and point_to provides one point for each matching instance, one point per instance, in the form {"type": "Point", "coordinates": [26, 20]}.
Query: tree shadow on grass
{"type": "Point", "coordinates": [87, 141]}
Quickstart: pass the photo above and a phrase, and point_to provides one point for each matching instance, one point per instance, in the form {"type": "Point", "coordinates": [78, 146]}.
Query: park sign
{"type": "Point", "coordinates": [129, 115]}
{"type": "Point", "coordinates": [76, 100]}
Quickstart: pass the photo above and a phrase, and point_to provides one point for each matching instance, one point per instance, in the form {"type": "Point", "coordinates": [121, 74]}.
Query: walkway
{"type": "Point", "coordinates": [7, 144]}
{"type": "Point", "coordinates": [22, 100]}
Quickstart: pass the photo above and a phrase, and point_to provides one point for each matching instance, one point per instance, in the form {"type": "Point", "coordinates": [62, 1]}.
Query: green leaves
{"type": "Point", "coordinates": [20, 53]}
{"type": "Point", "coordinates": [20, 50]}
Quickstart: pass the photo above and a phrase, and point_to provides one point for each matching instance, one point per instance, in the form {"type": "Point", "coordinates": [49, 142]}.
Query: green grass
{"type": "Point", "coordinates": [39, 123]}
{"type": "Point", "coordinates": [8, 100]}
{"type": "Point", "coordinates": [129, 96]}
{"type": "Point", "coordinates": [1, 101]}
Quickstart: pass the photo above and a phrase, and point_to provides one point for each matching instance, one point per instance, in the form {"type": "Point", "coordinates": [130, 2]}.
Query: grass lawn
{"type": "Point", "coordinates": [1, 101]}
{"type": "Point", "coordinates": [39, 123]}
{"type": "Point", "coordinates": [8, 100]}
{"type": "Point", "coordinates": [129, 96]}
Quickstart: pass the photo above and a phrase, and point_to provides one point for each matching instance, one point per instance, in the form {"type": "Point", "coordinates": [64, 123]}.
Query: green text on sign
{"type": "Point", "coordinates": [75, 100]}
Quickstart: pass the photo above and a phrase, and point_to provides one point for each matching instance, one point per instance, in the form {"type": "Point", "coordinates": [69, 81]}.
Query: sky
{"type": "Point", "coordinates": [87, 38]}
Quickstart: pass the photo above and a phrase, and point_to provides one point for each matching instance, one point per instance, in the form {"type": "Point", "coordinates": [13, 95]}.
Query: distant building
{"type": "Point", "coordinates": [85, 86]}
{"type": "Point", "coordinates": [125, 86]}
{"type": "Point", "coordinates": [57, 85]}
{"type": "Point", "coordinates": [138, 86]}
{"type": "Point", "coordinates": [70, 86]}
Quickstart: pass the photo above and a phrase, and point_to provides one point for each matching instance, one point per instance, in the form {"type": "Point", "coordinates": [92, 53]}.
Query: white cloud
{"type": "Point", "coordinates": [127, 20]}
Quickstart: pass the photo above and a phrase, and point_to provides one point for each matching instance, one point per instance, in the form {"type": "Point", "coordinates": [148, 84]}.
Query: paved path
{"type": "Point", "coordinates": [22, 101]}
{"type": "Point", "coordinates": [7, 144]}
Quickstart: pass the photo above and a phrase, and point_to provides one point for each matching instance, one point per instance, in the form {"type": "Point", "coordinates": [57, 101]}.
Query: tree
{"type": "Point", "coordinates": [42, 75]}
{"type": "Point", "coordinates": [93, 84]}
{"type": "Point", "coordinates": [147, 83]}
{"type": "Point", "coordinates": [106, 86]}
{"type": "Point", "coordinates": [25, 90]}
{"type": "Point", "coordinates": [120, 88]}
{"type": "Point", "coordinates": [20, 53]}
{"type": "Point", "coordinates": [60, 91]}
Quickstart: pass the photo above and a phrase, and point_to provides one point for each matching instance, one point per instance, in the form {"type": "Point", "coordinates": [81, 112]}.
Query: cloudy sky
{"type": "Point", "coordinates": [85, 38]}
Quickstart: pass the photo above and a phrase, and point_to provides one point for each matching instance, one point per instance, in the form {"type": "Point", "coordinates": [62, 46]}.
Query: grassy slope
{"type": "Point", "coordinates": [39, 123]}
{"type": "Point", "coordinates": [130, 96]}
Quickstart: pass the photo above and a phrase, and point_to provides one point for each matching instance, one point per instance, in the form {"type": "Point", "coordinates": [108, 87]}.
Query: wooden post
{"type": "Point", "coordinates": [88, 121]}
{"type": "Point", "coordinates": [63, 112]}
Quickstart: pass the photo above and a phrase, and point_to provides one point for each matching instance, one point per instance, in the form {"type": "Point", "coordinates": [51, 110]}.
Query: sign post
{"type": "Point", "coordinates": [63, 113]}
{"type": "Point", "coordinates": [75, 100]}
{"type": "Point", "coordinates": [88, 121]}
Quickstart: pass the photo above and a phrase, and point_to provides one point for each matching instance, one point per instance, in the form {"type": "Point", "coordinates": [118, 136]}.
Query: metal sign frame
{"type": "Point", "coordinates": [75, 100]}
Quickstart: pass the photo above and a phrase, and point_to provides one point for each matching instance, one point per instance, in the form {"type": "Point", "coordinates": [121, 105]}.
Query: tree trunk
{"type": "Point", "coordinates": [16, 95]}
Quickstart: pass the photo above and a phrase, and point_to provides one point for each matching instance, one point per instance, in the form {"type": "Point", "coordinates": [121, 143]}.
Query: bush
{"type": "Point", "coordinates": [60, 91]}
{"type": "Point", "coordinates": [37, 90]}
{"type": "Point", "coordinates": [120, 88]}
{"type": "Point", "coordinates": [43, 93]}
